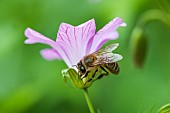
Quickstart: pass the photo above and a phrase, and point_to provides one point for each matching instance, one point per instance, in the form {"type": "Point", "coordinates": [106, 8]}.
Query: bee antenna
{"type": "Point", "coordinates": [74, 65]}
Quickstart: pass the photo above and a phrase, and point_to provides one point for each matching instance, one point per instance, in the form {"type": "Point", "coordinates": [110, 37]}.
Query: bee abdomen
{"type": "Point", "coordinates": [112, 67]}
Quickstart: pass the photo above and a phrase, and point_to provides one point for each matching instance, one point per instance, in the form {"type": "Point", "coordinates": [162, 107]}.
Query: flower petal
{"type": "Point", "coordinates": [74, 40]}
{"type": "Point", "coordinates": [35, 37]}
{"type": "Point", "coordinates": [50, 54]}
{"type": "Point", "coordinates": [108, 32]}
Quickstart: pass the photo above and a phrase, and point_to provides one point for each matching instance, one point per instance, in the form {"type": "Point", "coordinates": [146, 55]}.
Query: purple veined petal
{"type": "Point", "coordinates": [88, 32]}
{"type": "Point", "coordinates": [35, 37]}
{"type": "Point", "coordinates": [50, 54]}
{"type": "Point", "coordinates": [74, 40]}
{"type": "Point", "coordinates": [108, 32]}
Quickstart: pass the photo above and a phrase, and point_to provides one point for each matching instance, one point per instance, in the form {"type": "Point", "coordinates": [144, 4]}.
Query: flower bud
{"type": "Point", "coordinates": [139, 46]}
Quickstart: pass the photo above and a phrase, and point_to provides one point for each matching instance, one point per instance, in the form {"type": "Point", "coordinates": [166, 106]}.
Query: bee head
{"type": "Point", "coordinates": [81, 67]}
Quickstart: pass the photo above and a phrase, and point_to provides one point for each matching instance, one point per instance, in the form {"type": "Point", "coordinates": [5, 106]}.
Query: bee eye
{"type": "Point", "coordinates": [82, 69]}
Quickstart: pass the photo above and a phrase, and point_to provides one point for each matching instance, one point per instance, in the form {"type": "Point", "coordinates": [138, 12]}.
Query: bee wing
{"type": "Point", "coordinates": [108, 48]}
{"type": "Point", "coordinates": [107, 58]}
{"type": "Point", "coordinates": [105, 55]}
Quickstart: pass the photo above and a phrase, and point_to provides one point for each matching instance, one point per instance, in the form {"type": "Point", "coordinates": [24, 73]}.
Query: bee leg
{"type": "Point", "coordinates": [91, 77]}
{"type": "Point", "coordinates": [88, 81]}
{"type": "Point", "coordinates": [84, 75]}
{"type": "Point", "coordinates": [102, 75]}
{"type": "Point", "coordinates": [104, 70]}
{"type": "Point", "coordinates": [94, 73]}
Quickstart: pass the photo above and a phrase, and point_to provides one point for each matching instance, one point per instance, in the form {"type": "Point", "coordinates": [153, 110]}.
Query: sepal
{"type": "Point", "coordinates": [72, 78]}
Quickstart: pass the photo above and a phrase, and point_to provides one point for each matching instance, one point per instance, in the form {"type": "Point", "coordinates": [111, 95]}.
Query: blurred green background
{"type": "Point", "coordinates": [30, 84]}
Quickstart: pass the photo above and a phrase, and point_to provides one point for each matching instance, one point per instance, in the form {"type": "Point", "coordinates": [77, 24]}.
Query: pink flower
{"type": "Point", "coordinates": [74, 42]}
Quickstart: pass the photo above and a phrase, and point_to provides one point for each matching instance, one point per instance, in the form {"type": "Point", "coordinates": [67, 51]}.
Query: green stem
{"type": "Point", "coordinates": [154, 14]}
{"type": "Point", "coordinates": [88, 101]}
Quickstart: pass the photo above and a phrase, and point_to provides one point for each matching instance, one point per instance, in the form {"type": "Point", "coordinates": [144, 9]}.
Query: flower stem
{"type": "Point", "coordinates": [88, 101]}
{"type": "Point", "coordinates": [153, 14]}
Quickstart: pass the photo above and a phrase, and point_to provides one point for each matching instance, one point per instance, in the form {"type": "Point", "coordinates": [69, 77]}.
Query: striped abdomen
{"type": "Point", "coordinates": [112, 67]}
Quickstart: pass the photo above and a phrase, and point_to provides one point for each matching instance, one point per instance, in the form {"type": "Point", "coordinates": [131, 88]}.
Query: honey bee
{"type": "Point", "coordinates": [100, 61]}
